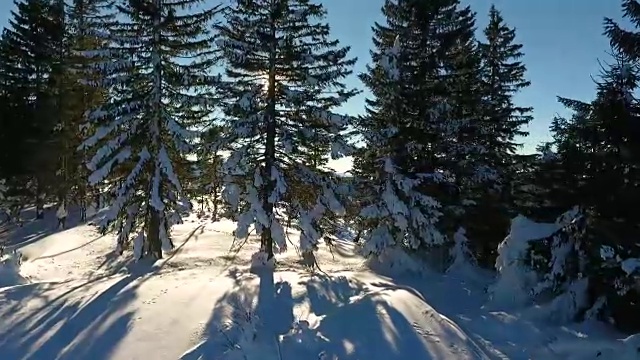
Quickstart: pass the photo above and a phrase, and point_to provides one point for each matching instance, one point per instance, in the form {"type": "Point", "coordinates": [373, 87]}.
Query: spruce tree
{"type": "Point", "coordinates": [13, 148]}
{"type": "Point", "coordinates": [30, 44]}
{"type": "Point", "coordinates": [155, 63]}
{"type": "Point", "coordinates": [502, 77]}
{"type": "Point", "coordinates": [551, 181]}
{"type": "Point", "coordinates": [285, 78]}
{"type": "Point", "coordinates": [404, 129]}
{"type": "Point", "coordinates": [465, 152]}
{"type": "Point", "coordinates": [622, 127]}
{"type": "Point", "coordinates": [208, 172]}
{"type": "Point", "coordinates": [60, 83]}
{"type": "Point", "coordinates": [596, 161]}
{"type": "Point", "coordinates": [614, 165]}
{"type": "Point", "coordinates": [86, 18]}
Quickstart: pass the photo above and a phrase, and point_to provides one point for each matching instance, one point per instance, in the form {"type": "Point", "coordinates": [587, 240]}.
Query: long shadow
{"type": "Point", "coordinates": [358, 324]}
{"type": "Point", "coordinates": [251, 313]}
{"type": "Point", "coordinates": [68, 328]}
{"type": "Point", "coordinates": [71, 250]}
{"type": "Point", "coordinates": [64, 327]}
{"type": "Point", "coordinates": [256, 320]}
{"type": "Point", "coordinates": [274, 304]}
{"type": "Point", "coordinates": [496, 331]}
{"type": "Point", "coordinates": [36, 229]}
{"type": "Point", "coordinates": [114, 263]}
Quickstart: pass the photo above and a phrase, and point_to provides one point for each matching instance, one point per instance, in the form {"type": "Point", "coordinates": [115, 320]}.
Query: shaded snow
{"type": "Point", "coordinates": [204, 301]}
{"type": "Point", "coordinates": [10, 271]}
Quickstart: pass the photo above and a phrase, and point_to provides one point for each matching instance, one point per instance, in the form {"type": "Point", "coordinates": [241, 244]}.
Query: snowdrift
{"type": "Point", "coordinates": [206, 301]}
{"type": "Point", "coordinates": [516, 280]}
{"type": "Point", "coordinates": [10, 270]}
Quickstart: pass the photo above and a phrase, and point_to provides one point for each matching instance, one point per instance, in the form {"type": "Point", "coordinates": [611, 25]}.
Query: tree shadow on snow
{"type": "Point", "coordinates": [86, 321]}
{"type": "Point", "coordinates": [256, 321]}
{"type": "Point", "coordinates": [114, 262]}
{"type": "Point", "coordinates": [461, 302]}
{"type": "Point", "coordinates": [358, 323]}
{"type": "Point", "coordinates": [247, 321]}
{"type": "Point", "coordinates": [68, 326]}
{"type": "Point", "coordinates": [344, 248]}
{"type": "Point", "coordinates": [33, 229]}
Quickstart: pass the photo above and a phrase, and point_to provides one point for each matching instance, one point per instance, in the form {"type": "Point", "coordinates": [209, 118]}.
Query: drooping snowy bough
{"type": "Point", "coordinates": [566, 267]}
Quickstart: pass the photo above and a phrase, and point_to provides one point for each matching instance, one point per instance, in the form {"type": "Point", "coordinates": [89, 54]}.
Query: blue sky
{"type": "Point", "coordinates": [562, 43]}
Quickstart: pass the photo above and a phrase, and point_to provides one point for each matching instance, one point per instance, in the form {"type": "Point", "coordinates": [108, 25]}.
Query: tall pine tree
{"type": "Point", "coordinates": [285, 79]}
{"type": "Point", "coordinates": [404, 129]}
{"type": "Point", "coordinates": [30, 46]}
{"type": "Point", "coordinates": [155, 64]}
{"type": "Point", "coordinates": [502, 77]}
{"type": "Point", "coordinates": [597, 170]}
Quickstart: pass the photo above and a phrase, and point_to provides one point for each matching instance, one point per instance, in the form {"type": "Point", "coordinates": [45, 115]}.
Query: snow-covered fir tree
{"type": "Point", "coordinates": [30, 48]}
{"type": "Point", "coordinates": [85, 18]}
{"type": "Point", "coordinates": [502, 77]}
{"type": "Point", "coordinates": [465, 150]}
{"type": "Point", "coordinates": [285, 78]}
{"type": "Point", "coordinates": [595, 150]}
{"type": "Point", "coordinates": [207, 181]}
{"type": "Point", "coordinates": [398, 164]}
{"type": "Point", "coordinates": [156, 66]}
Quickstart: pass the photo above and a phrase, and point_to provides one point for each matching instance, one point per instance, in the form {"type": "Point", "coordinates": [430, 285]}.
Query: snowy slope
{"type": "Point", "coordinates": [205, 302]}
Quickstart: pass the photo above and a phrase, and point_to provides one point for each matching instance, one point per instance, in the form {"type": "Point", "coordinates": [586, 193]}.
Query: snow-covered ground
{"type": "Point", "coordinates": [75, 299]}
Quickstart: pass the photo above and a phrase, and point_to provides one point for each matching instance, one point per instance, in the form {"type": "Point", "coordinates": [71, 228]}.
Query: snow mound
{"type": "Point", "coordinates": [214, 303]}
{"type": "Point", "coordinates": [347, 316]}
{"type": "Point", "coordinates": [10, 270]}
{"type": "Point", "coordinates": [625, 349]}
{"type": "Point", "coordinates": [395, 261]}
{"type": "Point", "coordinates": [260, 261]}
{"type": "Point", "coordinates": [206, 296]}
{"type": "Point", "coordinates": [515, 279]}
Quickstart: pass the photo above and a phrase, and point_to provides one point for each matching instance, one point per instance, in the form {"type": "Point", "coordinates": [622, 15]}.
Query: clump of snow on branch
{"type": "Point", "coordinates": [461, 255]}
{"type": "Point", "coordinates": [515, 277]}
{"type": "Point", "coordinates": [518, 282]}
{"type": "Point", "coordinates": [259, 261]}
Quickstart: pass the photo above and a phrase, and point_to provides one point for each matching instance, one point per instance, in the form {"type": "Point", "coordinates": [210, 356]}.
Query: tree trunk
{"type": "Point", "coordinates": [82, 202]}
{"type": "Point", "coordinates": [270, 145]}
{"type": "Point", "coordinates": [83, 209]}
{"type": "Point", "coordinates": [39, 202]}
{"type": "Point", "coordinates": [215, 202]}
{"type": "Point", "coordinates": [153, 234]}
{"type": "Point", "coordinates": [154, 219]}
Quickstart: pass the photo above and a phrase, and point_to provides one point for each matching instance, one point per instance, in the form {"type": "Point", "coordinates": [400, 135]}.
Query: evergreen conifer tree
{"type": "Point", "coordinates": [285, 78]}
{"type": "Point", "coordinates": [86, 19]}
{"type": "Point", "coordinates": [155, 64]}
{"type": "Point", "coordinates": [465, 152]}
{"type": "Point", "coordinates": [208, 172]}
{"type": "Point", "coordinates": [596, 161]}
{"type": "Point", "coordinates": [30, 45]}
{"type": "Point", "coordinates": [502, 77]}
{"type": "Point", "coordinates": [404, 129]}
